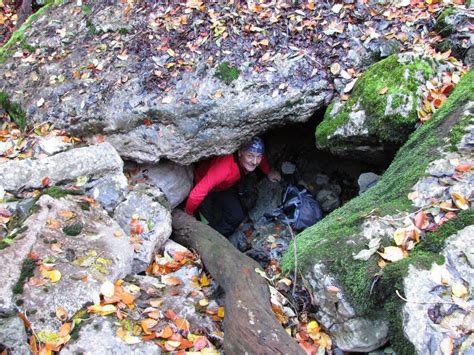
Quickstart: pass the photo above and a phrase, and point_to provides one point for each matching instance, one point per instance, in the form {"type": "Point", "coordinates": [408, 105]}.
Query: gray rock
{"type": "Point", "coordinates": [360, 335]}
{"type": "Point", "coordinates": [145, 202]}
{"type": "Point", "coordinates": [288, 168]}
{"type": "Point", "coordinates": [99, 337]}
{"type": "Point", "coordinates": [97, 248]}
{"type": "Point", "coordinates": [388, 48]}
{"type": "Point", "coordinates": [24, 206]}
{"type": "Point", "coordinates": [109, 191]}
{"type": "Point", "coordinates": [328, 199]}
{"type": "Point", "coordinates": [97, 160]}
{"type": "Point", "coordinates": [366, 181]}
{"type": "Point", "coordinates": [52, 144]}
{"type": "Point", "coordinates": [173, 179]}
{"type": "Point", "coordinates": [269, 198]}
{"type": "Point", "coordinates": [349, 331]}
{"type": "Point", "coordinates": [13, 336]}
{"type": "Point", "coordinates": [419, 285]}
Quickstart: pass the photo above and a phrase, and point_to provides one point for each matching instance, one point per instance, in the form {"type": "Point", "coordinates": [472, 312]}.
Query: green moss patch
{"type": "Point", "coordinates": [27, 270]}
{"type": "Point", "coordinates": [14, 110]}
{"type": "Point", "coordinates": [334, 239]}
{"type": "Point", "coordinates": [58, 192]}
{"type": "Point", "coordinates": [227, 73]}
{"type": "Point", "coordinates": [398, 83]}
{"type": "Point", "coordinates": [73, 230]}
{"type": "Point", "coordinates": [442, 25]}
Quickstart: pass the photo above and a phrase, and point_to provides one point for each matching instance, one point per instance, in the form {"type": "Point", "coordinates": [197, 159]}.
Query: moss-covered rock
{"type": "Point", "coordinates": [381, 111]}
{"type": "Point", "coordinates": [332, 242]}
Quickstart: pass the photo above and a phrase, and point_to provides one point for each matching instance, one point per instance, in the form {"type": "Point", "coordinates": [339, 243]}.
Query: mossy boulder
{"type": "Point", "coordinates": [347, 289]}
{"type": "Point", "coordinates": [381, 111]}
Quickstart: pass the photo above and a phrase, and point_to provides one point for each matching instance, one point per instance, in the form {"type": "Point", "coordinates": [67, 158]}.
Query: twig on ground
{"type": "Point", "coordinates": [296, 259]}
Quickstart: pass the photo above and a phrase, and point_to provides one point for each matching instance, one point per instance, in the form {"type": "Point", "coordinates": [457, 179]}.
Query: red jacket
{"type": "Point", "coordinates": [216, 174]}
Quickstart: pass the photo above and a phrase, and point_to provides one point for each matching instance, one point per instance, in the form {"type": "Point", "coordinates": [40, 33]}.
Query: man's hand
{"type": "Point", "coordinates": [274, 176]}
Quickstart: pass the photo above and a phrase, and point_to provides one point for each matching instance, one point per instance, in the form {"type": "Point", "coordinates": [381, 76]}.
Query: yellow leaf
{"type": "Point", "coordinates": [459, 290]}
{"type": "Point", "coordinates": [313, 327]}
{"type": "Point", "coordinates": [220, 312]}
{"type": "Point", "coordinates": [325, 341]}
{"type": "Point", "coordinates": [107, 289]}
{"type": "Point", "coordinates": [130, 339]}
{"type": "Point", "coordinates": [204, 281]}
{"type": "Point", "coordinates": [399, 236]}
{"type": "Point", "coordinates": [108, 309]}
{"type": "Point", "coordinates": [392, 254]}
{"type": "Point", "coordinates": [383, 91]}
{"type": "Point", "coordinates": [171, 52]}
{"type": "Point", "coordinates": [204, 302]}
{"type": "Point", "coordinates": [54, 275]}
{"type": "Point", "coordinates": [264, 42]}
{"type": "Point", "coordinates": [460, 201]}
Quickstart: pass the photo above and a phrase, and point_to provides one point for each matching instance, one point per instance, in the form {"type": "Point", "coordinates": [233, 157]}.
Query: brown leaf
{"type": "Point", "coordinates": [171, 281]}
{"type": "Point", "coordinates": [171, 315]}
{"type": "Point", "coordinates": [392, 254]}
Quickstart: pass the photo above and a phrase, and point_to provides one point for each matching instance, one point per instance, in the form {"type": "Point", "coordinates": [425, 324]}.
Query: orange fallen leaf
{"type": "Point", "coordinates": [165, 333]}
{"type": "Point", "coordinates": [460, 201]}
{"type": "Point", "coordinates": [66, 214]}
{"type": "Point", "coordinates": [45, 181]}
{"type": "Point", "coordinates": [182, 324]}
{"type": "Point", "coordinates": [171, 315]}
{"type": "Point", "coordinates": [464, 168]}
{"type": "Point", "coordinates": [65, 329]}
{"type": "Point", "coordinates": [147, 324]}
{"type": "Point", "coordinates": [171, 281]}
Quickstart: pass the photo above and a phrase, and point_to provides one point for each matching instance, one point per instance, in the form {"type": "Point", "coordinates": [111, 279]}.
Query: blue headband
{"type": "Point", "coordinates": [255, 145]}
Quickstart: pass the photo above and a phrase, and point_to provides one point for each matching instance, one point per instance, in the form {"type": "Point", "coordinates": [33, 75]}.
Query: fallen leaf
{"type": "Point", "coordinates": [460, 201]}
{"type": "Point", "coordinates": [171, 315]}
{"type": "Point", "coordinates": [45, 181]}
{"type": "Point", "coordinates": [447, 346]}
{"type": "Point", "coordinates": [147, 324]}
{"type": "Point", "coordinates": [182, 324]}
{"type": "Point", "coordinates": [392, 254]}
{"type": "Point", "coordinates": [383, 91]}
{"type": "Point", "coordinates": [165, 333]}
{"type": "Point", "coordinates": [459, 290]}
{"type": "Point", "coordinates": [200, 343]}
{"type": "Point", "coordinates": [54, 276]}
{"type": "Point", "coordinates": [61, 313]}
{"type": "Point", "coordinates": [220, 312]}
{"type": "Point", "coordinates": [171, 281]}
{"type": "Point", "coordinates": [464, 168]}
{"type": "Point", "coordinates": [107, 289]}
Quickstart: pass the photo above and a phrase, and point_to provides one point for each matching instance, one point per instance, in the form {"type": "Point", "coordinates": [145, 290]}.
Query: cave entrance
{"type": "Point", "coordinates": [332, 181]}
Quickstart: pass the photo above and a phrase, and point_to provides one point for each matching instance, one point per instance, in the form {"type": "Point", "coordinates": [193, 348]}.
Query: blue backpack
{"type": "Point", "coordinates": [298, 209]}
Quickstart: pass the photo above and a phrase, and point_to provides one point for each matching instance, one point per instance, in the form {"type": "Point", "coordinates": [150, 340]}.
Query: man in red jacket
{"type": "Point", "coordinates": [215, 192]}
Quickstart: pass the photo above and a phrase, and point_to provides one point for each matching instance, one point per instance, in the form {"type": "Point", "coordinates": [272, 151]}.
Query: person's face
{"type": "Point", "coordinates": [249, 160]}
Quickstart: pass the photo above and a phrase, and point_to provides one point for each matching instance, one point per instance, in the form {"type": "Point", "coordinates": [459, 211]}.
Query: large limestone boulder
{"type": "Point", "coordinates": [92, 162]}
{"type": "Point", "coordinates": [114, 68]}
{"type": "Point", "coordinates": [353, 287]}
{"type": "Point", "coordinates": [381, 111]}
{"type": "Point", "coordinates": [68, 250]}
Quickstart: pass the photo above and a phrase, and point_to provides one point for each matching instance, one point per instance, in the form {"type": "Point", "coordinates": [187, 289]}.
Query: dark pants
{"type": "Point", "coordinates": [223, 210]}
